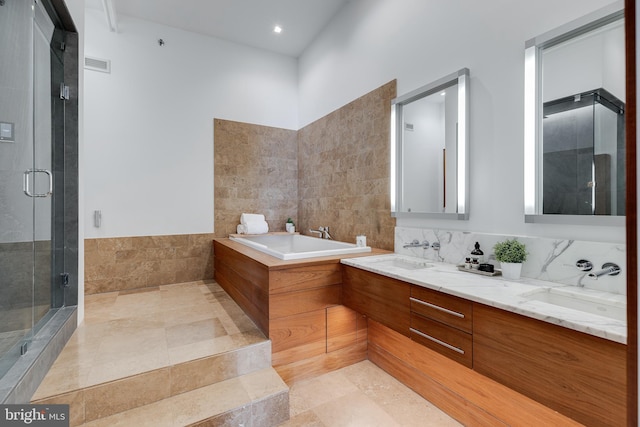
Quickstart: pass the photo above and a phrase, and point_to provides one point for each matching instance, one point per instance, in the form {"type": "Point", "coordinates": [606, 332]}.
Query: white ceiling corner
{"type": "Point", "coordinates": [248, 22]}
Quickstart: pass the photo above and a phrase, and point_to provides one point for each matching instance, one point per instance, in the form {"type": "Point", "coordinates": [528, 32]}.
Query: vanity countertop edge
{"type": "Point", "coordinates": [509, 295]}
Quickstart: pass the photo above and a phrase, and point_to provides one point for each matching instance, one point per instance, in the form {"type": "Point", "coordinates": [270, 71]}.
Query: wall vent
{"type": "Point", "coordinates": [408, 126]}
{"type": "Point", "coordinates": [97, 64]}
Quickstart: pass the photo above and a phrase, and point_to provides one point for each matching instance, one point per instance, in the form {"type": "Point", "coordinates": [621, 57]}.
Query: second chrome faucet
{"type": "Point", "coordinates": [415, 243]}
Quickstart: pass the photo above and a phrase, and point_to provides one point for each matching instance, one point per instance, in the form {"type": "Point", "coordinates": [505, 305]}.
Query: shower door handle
{"type": "Point", "coordinates": [25, 182]}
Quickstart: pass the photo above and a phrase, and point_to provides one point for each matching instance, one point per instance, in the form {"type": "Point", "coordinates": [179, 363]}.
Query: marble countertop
{"type": "Point", "coordinates": [510, 295]}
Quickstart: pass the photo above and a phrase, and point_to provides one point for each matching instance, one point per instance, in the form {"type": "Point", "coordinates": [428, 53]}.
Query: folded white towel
{"type": "Point", "coordinates": [241, 229]}
{"type": "Point", "coordinates": [246, 218]}
{"type": "Point", "coordinates": [257, 227]}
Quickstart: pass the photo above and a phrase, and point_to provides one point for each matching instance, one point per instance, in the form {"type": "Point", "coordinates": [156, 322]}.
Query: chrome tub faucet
{"type": "Point", "coordinates": [323, 232]}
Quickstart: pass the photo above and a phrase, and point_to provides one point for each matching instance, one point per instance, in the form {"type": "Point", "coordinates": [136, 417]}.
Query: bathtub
{"type": "Point", "coordinates": [296, 246]}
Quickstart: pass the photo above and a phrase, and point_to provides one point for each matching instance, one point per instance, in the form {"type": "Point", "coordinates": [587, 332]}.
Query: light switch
{"type": "Point", "coordinates": [6, 132]}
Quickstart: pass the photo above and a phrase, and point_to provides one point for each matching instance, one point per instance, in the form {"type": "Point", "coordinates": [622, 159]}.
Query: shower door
{"type": "Point", "coordinates": [30, 116]}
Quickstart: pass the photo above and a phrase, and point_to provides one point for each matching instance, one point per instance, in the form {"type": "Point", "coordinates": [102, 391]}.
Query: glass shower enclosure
{"type": "Point", "coordinates": [583, 158]}
{"type": "Point", "coordinates": [37, 238]}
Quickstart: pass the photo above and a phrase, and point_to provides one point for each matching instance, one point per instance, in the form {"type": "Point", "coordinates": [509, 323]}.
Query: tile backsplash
{"type": "Point", "coordinates": [553, 260]}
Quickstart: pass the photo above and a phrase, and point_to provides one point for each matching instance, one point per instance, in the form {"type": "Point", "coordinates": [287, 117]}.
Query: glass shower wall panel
{"type": "Point", "coordinates": [567, 161]}
{"type": "Point", "coordinates": [17, 248]}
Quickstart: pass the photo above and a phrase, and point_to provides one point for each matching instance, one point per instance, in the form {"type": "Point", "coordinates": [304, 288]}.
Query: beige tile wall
{"type": "Point", "coordinates": [344, 169]}
{"type": "Point", "coordinates": [115, 264]}
{"type": "Point", "coordinates": [333, 172]}
{"type": "Point", "coordinates": [255, 171]}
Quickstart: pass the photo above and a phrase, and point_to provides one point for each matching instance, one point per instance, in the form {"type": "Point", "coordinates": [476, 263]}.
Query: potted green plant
{"type": "Point", "coordinates": [511, 255]}
{"type": "Point", "coordinates": [290, 226]}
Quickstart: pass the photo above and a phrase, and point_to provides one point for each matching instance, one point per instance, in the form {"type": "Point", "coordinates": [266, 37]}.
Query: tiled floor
{"type": "Point", "coordinates": [360, 395]}
{"type": "Point", "coordinates": [126, 334]}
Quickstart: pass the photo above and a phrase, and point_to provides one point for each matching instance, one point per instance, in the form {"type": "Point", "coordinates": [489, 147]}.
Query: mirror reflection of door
{"type": "Point", "coordinates": [583, 124]}
{"type": "Point", "coordinates": [429, 152]}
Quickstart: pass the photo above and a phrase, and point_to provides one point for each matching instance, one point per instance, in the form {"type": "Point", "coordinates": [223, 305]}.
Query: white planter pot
{"type": "Point", "coordinates": [511, 270]}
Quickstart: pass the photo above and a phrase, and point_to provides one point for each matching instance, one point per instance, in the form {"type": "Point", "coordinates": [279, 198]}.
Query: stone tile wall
{"type": "Point", "coordinates": [255, 171]}
{"type": "Point", "coordinates": [334, 172]}
{"type": "Point", "coordinates": [344, 169]}
{"type": "Point", "coordinates": [115, 264]}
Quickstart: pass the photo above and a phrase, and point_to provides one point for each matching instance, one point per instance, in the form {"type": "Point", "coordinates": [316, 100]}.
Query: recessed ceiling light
{"type": "Point", "coordinates": [443, 93]}
{"type": "Point", "coordinates": [277, 29]}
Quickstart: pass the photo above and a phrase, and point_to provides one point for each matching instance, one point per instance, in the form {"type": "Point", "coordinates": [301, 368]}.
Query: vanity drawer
{"type": "Point", "coordinates": [450, 342]}
{"type": "Point", "coordinates": [447, 309]}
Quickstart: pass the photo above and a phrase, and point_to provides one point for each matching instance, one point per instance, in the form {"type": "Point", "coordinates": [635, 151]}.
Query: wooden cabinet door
{"type": "Point", "coordinates": [579, 375]}
{"type": "Point", "coordinates": [380, 298]}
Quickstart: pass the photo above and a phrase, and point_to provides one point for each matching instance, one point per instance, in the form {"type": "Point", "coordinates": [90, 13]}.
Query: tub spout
{"type": "Point", "coordinates": [323, 232]}
{"type": "Point", "coordinates": [608, 269]}
{"type": "Point", "coordinates": [318, 232]}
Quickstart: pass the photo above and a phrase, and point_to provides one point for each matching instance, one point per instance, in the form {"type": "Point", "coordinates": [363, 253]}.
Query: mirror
{"type": "Point", "coordinates": [429, 145]}
{"type": "Point", "coordinates": [574, 122]}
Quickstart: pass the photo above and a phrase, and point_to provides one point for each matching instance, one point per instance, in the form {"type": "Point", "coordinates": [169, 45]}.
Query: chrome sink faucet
{"type": "Point", "coordinates": [608, 269]}
{"type": "Point", "coordinates": [323, 232]}
{"type": "Point", "coordinates": [416, 244]}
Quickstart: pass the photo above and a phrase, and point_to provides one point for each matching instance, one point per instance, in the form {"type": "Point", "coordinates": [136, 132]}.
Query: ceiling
{"type": "Point", "coordinates": [249, 22]}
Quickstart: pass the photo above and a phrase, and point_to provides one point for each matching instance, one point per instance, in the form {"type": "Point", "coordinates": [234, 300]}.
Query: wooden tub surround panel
{"type": "Point", "coordinates": [246, 281]}
{"type": "Point", "coordinates": [297, 304]}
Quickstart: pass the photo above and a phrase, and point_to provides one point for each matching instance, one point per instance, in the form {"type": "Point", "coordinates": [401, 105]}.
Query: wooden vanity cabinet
{"type": "Point", "coordinates": [443, 323]}
{"type": "Point", "coordinates": [579, 375]}
{"type": "Point", "coordinates": [576, 374]}
{"type": "Point", "coordinates": [381, 298]}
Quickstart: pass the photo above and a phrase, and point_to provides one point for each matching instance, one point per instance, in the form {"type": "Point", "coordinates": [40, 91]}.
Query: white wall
{"type": "Point", "coordinates": [416, 42]}
{"type": "Point", "coordinates": [149, 124]}
{"type": "Point", "coordinates": [588, 63]}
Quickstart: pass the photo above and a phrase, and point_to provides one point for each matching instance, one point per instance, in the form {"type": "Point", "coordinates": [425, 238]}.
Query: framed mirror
{"type": "Point", "coordinates": [429, 146]}
{"type": "Point", "coordinates": [574, 122]}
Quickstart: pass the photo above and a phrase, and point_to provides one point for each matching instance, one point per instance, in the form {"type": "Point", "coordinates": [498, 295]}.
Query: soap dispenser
{"type": "Point", "coordinates": [477, 253]}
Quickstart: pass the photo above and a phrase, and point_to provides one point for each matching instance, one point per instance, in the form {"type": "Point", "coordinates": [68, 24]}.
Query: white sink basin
{"type": "Point", "coordinates": [581, 303]}
{"type": "Point", "coordinates": [400, 262]}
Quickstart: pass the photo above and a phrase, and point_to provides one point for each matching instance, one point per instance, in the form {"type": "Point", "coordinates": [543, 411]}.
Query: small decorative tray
{"type": "Point", "coordinates": [482, 273]}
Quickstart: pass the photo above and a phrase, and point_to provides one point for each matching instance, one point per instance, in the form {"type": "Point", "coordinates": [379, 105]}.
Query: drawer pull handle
{"type": "Point", "coordinates": [437, 307]}
{"type": "Point", "coordinates": [437, 341]}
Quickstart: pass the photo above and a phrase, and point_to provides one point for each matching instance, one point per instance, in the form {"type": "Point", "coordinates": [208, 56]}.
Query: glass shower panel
{"type": "Point", "coordinates": [567, 161]}
{"type": "Point", "coordinates": [16, 157]}
{"type": "Point", "coordinates": [583, 155]}
{"type": "Point", "coordinates": [609, 158]}
{"type": "Point", "coordinates": [29, 111]}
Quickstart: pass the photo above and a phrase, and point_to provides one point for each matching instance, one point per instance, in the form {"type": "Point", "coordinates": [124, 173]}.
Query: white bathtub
{"type": "Point", "coordinates": [296, 246]}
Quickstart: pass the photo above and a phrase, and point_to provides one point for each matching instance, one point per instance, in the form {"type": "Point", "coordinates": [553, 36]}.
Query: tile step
{"type": "Point", "coordinates": [104, 400]}
{"type": "Point", "coordinates": [259, 398]}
